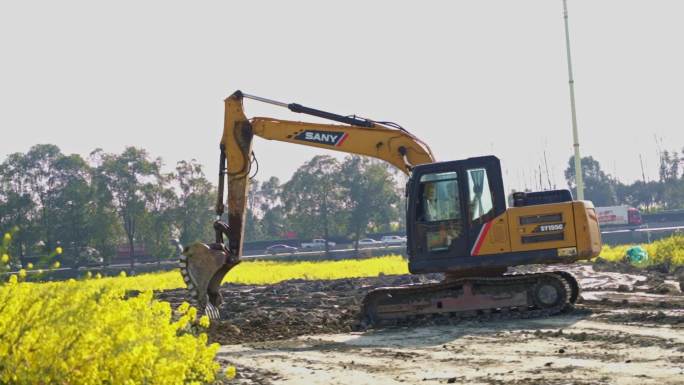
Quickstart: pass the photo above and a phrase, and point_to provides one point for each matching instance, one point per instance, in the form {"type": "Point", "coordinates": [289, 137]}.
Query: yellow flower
{"type": "Point", "coordinates": [22, 273]}
{"type": "Point", "coordinates": [204, 321]}
{"type": "Point", "coordinates": [231, 372]}
{"type": "Point", "coordinates": [13, 279]}
{"type": "Point", "coordinates": [5, 258]}
{"type": "Point", "coordinates": [56, 265]}
{"type": "Point", "coordinates": [89, 275]}
{"type": "Point", "coordinates": [122, 274]}
{"type": "Point", "coordinates": [8, 237]}
{"type": "Point", "coordinates": [29, 265]}
{"type": "Point", "coordinates": [98, 275]}
{"type": "Point", "coordinates": [192, 313]}
{"type": "Point", "coordinates": [58, 250]}
{"type": "Point", "coordinates": [183, 308]}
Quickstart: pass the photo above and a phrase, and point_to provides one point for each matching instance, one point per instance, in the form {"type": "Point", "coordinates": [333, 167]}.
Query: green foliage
{"type": "Point", "coordinates": [194, 214]}
{"type": "Point", "coordinates": [371, 195]}
{"type": "Point", "coordinates": [313, 199]}
{"type": "Point", "coordinates": [128, 177]}
{"type": "Point", "coordinates": [90, 207]}
{"type": "Point", "coordinates": [604, 190]}
{"type": "Point", "coordinates": [598, 186]}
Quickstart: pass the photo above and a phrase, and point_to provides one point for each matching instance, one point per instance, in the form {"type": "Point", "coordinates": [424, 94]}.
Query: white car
{"type": "Point", "coordinates": [368, 242]}
{"type": "Point", "coordinates": [393, 240]}
{"type": "Point", "coordinates": [317, 244]}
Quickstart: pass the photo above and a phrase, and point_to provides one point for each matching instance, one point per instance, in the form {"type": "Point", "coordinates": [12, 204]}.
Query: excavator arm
{"type": "Point", "coordinates": [203, 266]}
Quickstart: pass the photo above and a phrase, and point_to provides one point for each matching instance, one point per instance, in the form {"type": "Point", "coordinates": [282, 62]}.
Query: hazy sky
{"type": "Point", "coordinates": [469, 77]}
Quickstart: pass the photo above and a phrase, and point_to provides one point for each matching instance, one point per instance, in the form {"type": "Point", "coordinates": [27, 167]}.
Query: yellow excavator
{"type": "Point", "coordinates": [457, 223]}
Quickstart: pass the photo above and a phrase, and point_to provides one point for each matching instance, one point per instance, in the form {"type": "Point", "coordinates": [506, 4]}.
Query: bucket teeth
{"type": "Point", "coordinates": [212, 312]}
{"type": "Point", "coordinates": [203, 267]}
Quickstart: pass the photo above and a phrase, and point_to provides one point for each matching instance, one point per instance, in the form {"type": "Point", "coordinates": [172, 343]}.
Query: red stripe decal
{"type": "Point", "coordinates": [344, 137]}
{"type": "Point", "coordinates": [481, 238]}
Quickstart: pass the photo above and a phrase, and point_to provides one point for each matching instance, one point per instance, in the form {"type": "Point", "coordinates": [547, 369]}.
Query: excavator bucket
{"type": "Point", "coordinates": [203, 267]}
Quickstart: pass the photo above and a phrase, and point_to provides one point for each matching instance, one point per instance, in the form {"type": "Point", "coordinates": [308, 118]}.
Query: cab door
{"type": "Point", "coordinates": [450, 204]}
{"type": "Point", "coordinates": [439, 226]}
{"type": "Point", "coordinates": [480, 206]}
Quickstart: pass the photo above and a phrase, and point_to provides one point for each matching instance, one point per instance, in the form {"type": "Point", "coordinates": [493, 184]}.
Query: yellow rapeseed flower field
{"type": "Point", "coordinates": [89, 332]}
{"type": "Point", "coordinates": [268, 272]}
{"type": "Point", "coordinates": [667, 250]}
{"type": "Point", "coordinates": [110, 330]}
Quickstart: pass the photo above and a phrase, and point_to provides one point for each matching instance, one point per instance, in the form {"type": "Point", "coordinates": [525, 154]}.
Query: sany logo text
{"type": "Point", "coordinates": [323, 137]}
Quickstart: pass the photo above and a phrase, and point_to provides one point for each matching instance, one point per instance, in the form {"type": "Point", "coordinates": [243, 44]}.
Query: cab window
{"type": "Point", "coordinates": [439, 197]}
{"type": "Point", "coordinates": [480, 203]}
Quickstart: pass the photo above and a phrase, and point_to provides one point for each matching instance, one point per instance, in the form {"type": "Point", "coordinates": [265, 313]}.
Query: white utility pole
{"type": "Point", "coordinates": [575, 136]}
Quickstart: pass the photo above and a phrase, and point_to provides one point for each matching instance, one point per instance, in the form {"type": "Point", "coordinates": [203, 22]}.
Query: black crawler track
{"type": "Point", "coordinates": [420, 294]}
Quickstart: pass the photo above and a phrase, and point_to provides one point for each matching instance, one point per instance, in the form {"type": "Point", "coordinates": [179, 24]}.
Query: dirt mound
{"type": "Point", "coordinates": [601, 264]}
{"type": "Point", "coordinates": [253, 313]}
{"type": "Point", "coordinates": [655, 318]}
{"type": "Point", "coordinates": [293, 308]}
{"type": "Point", "coordinates": [627, 328]}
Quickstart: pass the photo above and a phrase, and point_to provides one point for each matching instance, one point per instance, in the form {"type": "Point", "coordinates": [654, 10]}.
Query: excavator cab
{"type": "Point", "coordinates": [458, 222]}
{"type": "Point", "coordinates": [448, 205]}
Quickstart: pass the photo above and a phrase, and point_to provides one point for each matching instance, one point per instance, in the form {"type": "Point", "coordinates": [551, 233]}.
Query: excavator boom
{"type": "Point", "coordinates": [203, 266]}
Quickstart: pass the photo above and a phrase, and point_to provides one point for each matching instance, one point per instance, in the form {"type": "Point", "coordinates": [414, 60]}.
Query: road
{"type": "Point", "coordinates": [337, 253]}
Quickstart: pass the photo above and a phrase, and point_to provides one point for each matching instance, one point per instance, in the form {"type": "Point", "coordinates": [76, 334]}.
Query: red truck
{"type": "Point", "coordinates": [618, 216]}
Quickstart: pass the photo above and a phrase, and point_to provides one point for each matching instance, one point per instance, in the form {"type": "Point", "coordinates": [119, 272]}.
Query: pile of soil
{"type": "Point", "coordinates": [252, 313]}
{"type": "Point", "coordinates": [624, 306]}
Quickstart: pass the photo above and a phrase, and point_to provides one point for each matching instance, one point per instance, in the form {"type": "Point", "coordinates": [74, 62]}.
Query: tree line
{"type": "Point", "coordinates": [603, 189]}
{"type": "Point", "coordinates": [92, 206]}
{"type": "Point", "coordinates": [95, 204]}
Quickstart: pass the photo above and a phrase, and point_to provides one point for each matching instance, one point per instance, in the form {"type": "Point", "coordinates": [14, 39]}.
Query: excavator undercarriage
{"type": "Point", "coordinates": [457, 223]}
{"type": "Point", "coordinates": [505, 297]}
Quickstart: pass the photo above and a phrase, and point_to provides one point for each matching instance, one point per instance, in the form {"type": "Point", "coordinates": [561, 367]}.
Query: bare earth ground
{"type": "Point", "coordinates": [627, 329]}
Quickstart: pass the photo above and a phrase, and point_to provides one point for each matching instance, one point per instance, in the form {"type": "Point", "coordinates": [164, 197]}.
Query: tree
{"type": "Point", "coordinates": [313, 198]}
{"type": "Point", "coordinates": [19, 211]}
{"type": "Point", "coordinates": [127, 177]}
{"type": "Point", "coordinates": [371, 195]}
{"type": "Point", "coordinates": [194, 214]}
{"type": "Point", "coordinates": [72, 205]}
{"type": "Point", "coordinates": [599, 187]}
{"type": "Point", "coordinates": [669, 166]}
{"type": "Point", "coordinates": [647, 195]}
{"type": "Point", "coordinates": [39, 172]}
{"type": "Point", "coordinates": [160, 205]}
{"type": "Point", "coordinates": [673, 185]}
{"type": "Point", "coordinates": [252, 223]}
{"type": "Point", "coordinates": [273, 222]}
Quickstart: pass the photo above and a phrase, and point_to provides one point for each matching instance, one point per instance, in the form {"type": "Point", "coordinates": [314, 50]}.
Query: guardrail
{"type": "Point", "coordinates": [612, 236]}
{"type": "Point", "coordinates": [172, 263]}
